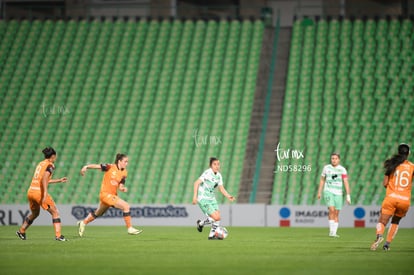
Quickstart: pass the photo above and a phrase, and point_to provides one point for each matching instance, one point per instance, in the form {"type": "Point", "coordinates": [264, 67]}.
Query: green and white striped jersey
{"type": "Point", "coordinates": [334, 178]}
{"type": "Point", "coordinates": [210, 181]}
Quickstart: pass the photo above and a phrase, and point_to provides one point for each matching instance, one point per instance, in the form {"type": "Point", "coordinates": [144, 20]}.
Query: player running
{"type": "Point", "coordinates": [113, 179]}
{"type": "Point", "coordinates": [398, 180]}
{"type": "Point", "coordinates": [38, 195]}
{"type": "Point", "coordinates": [205, 198]}
{"type": "Point", "coordinates": [333, 178]}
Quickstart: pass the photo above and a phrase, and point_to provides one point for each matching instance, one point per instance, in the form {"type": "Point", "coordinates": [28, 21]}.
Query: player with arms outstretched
{"type": "Point", "coordinates": [113, 179]}
{"type": "Point", "coordinates": [205, 198]}
{"type": "Point", "coordinates": [398, 181]}
{"type": "Point", "coordinates": [38, 195]}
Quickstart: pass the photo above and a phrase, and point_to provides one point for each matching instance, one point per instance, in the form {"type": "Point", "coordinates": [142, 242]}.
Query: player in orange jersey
{"type": "Point", "coordinates": [38, 195]}
{"type": "Point", "coordinates": [114, 179]}
{"type": "Point", "coordinates": [398, 179]}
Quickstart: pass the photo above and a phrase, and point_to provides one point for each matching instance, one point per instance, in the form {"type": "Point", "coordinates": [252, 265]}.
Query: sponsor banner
{"type": "Point", "coordinates": [142, 215]}
{"type": "Point", "coordinates": [297, 216]}
{"type": "Point", "coordinates": [231, 215]}
{"type": "Point", "coordinates": [317, 216]}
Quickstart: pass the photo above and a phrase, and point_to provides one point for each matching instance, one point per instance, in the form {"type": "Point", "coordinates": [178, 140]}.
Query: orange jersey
{"type": "Point", "coordinates": [41, 168]}
{"type": "Point", "coordinates": [112, 178]}
{"type": "Point", "coordinates": [400, 182]}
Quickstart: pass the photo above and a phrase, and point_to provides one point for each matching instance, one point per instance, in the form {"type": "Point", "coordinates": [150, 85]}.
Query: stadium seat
{"type": "Point", "coordinates": [348, 108]}
{"type": "Point", "coordinates": [99, 87]}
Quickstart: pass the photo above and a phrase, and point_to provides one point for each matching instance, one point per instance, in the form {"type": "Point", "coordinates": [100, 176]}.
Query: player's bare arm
{"type": "Point", "coordinates": [196, 184]}
{"type": "Point", "coordinates": [45, 183]}
{"type": "Point", "coordinates": [89, 166]}
{"type": "Point", "coordinates": [348, 191]}
{"type": "Point", "coordinates": [122, 188]}
{"type": "Point", "coordinates": [321, 184]}
{"type": "Point", "coordinates": [225, 193]}
{"type": "Point", "coordinates": [64, 179]}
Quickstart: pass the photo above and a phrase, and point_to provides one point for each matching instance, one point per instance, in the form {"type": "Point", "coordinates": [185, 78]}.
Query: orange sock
{"type": "Point", "coordinates": [127, 219]}
{"type": "Point", "coordinates": [57, 226]}
{"type": "Point", "coordinates": [392, 231]}
{"type": "Point", "coordinates": [380, 228]}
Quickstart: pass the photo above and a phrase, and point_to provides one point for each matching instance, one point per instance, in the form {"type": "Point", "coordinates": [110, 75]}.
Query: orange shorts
{"type": "Point", "coordinates": [35, 200]}
{"type": "Point", "coordinates": [395, 207]}
{"type": "Point", "coordinates": [108, 199]}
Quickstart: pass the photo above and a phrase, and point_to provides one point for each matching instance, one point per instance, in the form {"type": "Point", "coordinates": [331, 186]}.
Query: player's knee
{"type": "Point", "coordinates": [127, 208]}
{"type": "Point", "coordinates": [216, 216]}
{"type": "Point", "coordinates": [54, 212]}
{"type": "Point", "coordinates": [384, 219]}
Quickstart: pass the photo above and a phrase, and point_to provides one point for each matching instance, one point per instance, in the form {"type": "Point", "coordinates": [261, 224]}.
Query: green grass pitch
{"type": "Point", "coordinates": [183, 250]}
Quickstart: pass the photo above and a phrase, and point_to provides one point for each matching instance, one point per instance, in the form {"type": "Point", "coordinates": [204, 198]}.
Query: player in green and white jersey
{"type": "Point", "coordinates": [334, 177]}
{"type": "Point", "coordinates": [205, 197]}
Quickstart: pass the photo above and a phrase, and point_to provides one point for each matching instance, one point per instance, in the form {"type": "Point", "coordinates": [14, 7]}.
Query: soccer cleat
{"type": "Point", "coordinates": [199, 227]}
{"type": "Point", "coordinates": [333, 235]}
{"type": "Point", "coordinates": [81, 228]}
{"type": "Point", "coordinates": [133, 231]}
{"type": "Point", "coordinates": [376, 243]}
{"type": "Point", "coordinates": [61, 238]}
{"type": "Point", "coordinates": [22, 236]}
{"type": "Point", "coordinates": [386, 247]}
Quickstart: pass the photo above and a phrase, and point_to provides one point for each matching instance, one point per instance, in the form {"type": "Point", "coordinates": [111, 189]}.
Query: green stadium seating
{"type": "Point", "coordinates": [92, 88]}
{"type": "Point", "coordinates": [348, 90]}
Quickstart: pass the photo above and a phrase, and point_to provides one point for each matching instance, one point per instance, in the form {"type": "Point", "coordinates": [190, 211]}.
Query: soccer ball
{"type": "Point", "coordinates": [221, 233]}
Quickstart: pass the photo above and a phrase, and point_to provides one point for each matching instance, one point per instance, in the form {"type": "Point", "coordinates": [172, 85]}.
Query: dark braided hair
{"type": "Point", "coordinates": [48, 152]}
{"type": "Point", "coordinates": [392, 163]}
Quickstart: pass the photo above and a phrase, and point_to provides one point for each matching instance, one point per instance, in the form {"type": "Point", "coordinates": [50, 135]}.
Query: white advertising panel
{"type": "Point", "coordinates": [231, 215]}
{"type": "Point", "coordinates": [317, 216]}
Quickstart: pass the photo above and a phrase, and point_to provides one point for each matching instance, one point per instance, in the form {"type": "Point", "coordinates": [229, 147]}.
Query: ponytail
{"type": "Point", "coordinates": [391, 164]}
